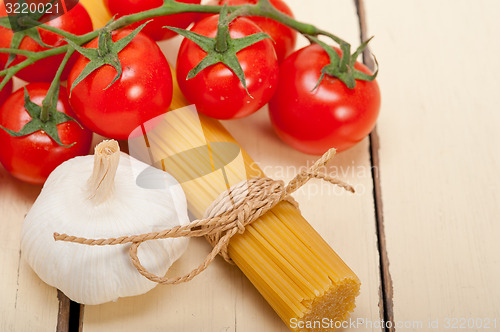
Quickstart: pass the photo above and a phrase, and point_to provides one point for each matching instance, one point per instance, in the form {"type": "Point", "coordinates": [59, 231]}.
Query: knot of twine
{"type": "Point", "coordinates": [228, 215]}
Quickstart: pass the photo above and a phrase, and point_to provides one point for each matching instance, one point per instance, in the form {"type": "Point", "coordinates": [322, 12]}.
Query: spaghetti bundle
{"type": "Point", "coordinates": [295, 270]}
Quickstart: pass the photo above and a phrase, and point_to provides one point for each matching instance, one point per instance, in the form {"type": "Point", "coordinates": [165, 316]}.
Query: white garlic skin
{"type": "Point", "coordinates": [99, 274]}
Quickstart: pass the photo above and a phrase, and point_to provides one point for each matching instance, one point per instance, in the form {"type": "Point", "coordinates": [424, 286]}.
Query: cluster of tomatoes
{"type": "Point", "coordinates": [309, 119]}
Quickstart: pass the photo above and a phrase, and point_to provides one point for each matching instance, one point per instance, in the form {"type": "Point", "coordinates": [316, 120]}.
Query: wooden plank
{"type": "Point", "coordinates": [386, 292]}
{"type": "Point", "coordinates": [222, 299]}
{"type": "Point", "coordinates": [27, 303]}
{"type": "Point", "coordinates": [439, 157]}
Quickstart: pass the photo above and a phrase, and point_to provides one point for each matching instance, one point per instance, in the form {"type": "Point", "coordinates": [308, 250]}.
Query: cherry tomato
{"type": "Point", "coordinates": [216, 91]}
{"type": "Point", "coordinates": [143, 91]}
{"type": "Point", "coordinates": [313, 121]}
{"type": "Point", "coordinates": [284, 37]}
{"type": "Point", "coordinates": [7, 89]}
{"type": "Point", "coordinates": [5, 92]}
{"type": "Point", "coordinates": [33, 157]}
{"type": "Point", "coordinates": [76, 21]}
{"type": "Point", "coordinates": [155, 28]}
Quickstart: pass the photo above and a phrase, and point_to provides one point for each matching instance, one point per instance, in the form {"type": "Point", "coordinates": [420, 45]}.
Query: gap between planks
{"type": "Point", "coordinates": [70, 317]}
{"type": "Point", "coordinates": [386, 292]}
{"type": "Point", "coordinates": [64, 312]}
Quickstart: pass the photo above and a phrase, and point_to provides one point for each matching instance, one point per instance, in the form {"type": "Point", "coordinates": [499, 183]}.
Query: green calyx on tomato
{"type": "Point", "coordinates": [32, 61]}
{"type": "Point", "coordinates": [283, 36]}
{"type": "Point", "coordinates": [33, 157]}
{"type": "Point", "coordinates": [23, 25]}
{"type": "Point", "coordinates": [330, 116]}
{"type": "Point", "coordinates": [222, 48]}
{"type": "Point", "coordinates": [143, 91]}
{"type": "Point", "coordinates": [45, 118]}
{"type": "Point", "coordinates": [343, 67]}
{"type": "Point", "coordinates": [105, 54]}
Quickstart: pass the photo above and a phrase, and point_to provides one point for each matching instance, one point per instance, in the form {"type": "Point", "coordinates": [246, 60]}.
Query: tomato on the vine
{"type": "Point", "coordinates": [154, 29]}
{"type": "Point", "coordinates": [330, 116]}
{"type": "Point", "coordinates": [76, 21]}
{"type": "Point", "coordinates": [33, 157]}
{"type": "Point", "coordinates": [284, 37]}
{"type": "Point", "coordinates": [216, 90]}
{"type": "Point", "coordinates": [143, 91]}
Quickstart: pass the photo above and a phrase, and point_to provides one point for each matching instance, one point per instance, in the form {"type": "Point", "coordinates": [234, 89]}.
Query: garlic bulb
{"type": "Point", "coordinates": [98, 197]}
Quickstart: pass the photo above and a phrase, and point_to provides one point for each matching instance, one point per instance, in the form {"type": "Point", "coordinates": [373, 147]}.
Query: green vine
{"type": "Point", "coordinates": [341, 66]}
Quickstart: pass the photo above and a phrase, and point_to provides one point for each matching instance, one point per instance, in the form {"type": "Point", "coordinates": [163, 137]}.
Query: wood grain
{"type": "Point", "coordinates": [27, 303]}
{"type": "Point", "coordinates": [222, 299]}
{"type": "Point", "coordinates": [439, 156]}
{"type": "Point", "coordinates": [386, 304]}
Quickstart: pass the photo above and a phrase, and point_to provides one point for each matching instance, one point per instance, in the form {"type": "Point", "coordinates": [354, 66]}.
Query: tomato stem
{"type": "Point", "coordinates": [104, 43]}
{"type": "Point", "coordinates": [50, 101]}
{"type": "Point", "coordinates": [221, 39]}
{"type": "Point", "coordinates": [63, 33]}
{"type": "Point", "coordinates": [28, 54]}
{"type": "Point", "coordinates": [263, 8]}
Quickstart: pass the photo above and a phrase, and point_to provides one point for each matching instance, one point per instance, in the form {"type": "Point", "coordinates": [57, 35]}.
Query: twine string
{"type": "Point", "coordinates": [228, 215]}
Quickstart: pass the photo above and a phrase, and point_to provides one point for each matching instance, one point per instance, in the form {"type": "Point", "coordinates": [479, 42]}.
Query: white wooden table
{"type": "Point", "coordinates": [422, 235]}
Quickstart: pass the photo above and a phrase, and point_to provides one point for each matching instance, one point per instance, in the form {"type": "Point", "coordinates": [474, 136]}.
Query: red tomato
{"type": "Point", "coordinates": [216, 91]}
{"type": "Point", "coordinates": [7, 89]}
{"type": "Point", "coordinates": [76, 21]}
{"type": "Point", "coordinates": [5, 92]}
{"type": "Point", "coordinates": [143, 91]}
{"type": "Point", "coordinates": [313, 121]}
{"type": "Point", "coordinates": [284, 37]}
{"type": "Point", "coordinates": [155, 28]}
{"type": "Point", "coordinates": [33, 157]}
